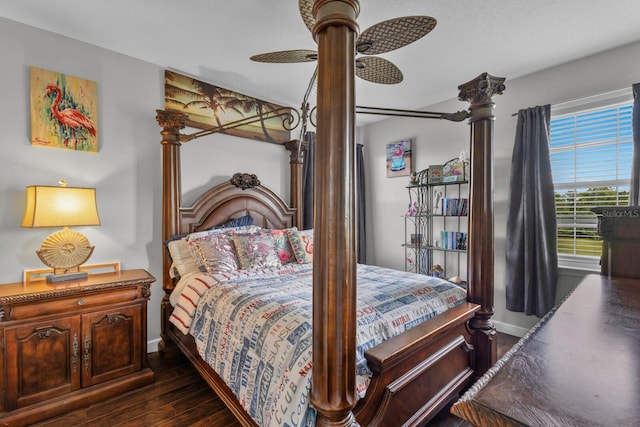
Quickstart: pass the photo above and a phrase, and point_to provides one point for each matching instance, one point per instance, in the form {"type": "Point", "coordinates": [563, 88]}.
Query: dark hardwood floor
{"type": "Point", "coordinates": [179, 397]}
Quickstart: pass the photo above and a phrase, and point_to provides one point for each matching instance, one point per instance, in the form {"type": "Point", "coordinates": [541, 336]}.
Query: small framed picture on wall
{"type": "Point", "coordinates": [398, 158]}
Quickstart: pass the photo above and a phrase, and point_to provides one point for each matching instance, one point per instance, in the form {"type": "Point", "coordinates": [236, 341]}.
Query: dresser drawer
{"type": "Point", "coordinates": [63, 305]}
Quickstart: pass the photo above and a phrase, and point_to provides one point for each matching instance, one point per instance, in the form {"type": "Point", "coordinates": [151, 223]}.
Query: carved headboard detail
{"type": "Point", "coordinates": [245, 180]}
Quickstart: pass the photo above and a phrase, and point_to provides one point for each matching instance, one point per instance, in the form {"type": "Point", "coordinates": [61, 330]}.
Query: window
{"type": "Point", "coordinates": [591, 149]}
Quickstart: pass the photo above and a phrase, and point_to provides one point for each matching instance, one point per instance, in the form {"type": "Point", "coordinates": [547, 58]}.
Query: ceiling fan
{"type": "Point", "coordinates": [380, 38]}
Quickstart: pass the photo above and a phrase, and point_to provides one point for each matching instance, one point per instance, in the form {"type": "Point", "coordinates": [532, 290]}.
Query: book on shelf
{"type": "Point", "coordinates": [453, 240]}
{"type": "Point", "coordinates": [455, 206]}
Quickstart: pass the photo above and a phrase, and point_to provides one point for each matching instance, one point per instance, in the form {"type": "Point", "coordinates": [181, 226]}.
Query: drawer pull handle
{"type": "Point", "coordinates": [87, 351]}
{"type": "Point", "coordinates": [76, 346]}
{"type": "Point", "coordinates": [80, 302]}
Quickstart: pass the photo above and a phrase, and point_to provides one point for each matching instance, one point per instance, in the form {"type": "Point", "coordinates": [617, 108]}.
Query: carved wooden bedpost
{"type": "Point", "coordinates": [171, 123]}
{"type": "Point", "coordinates": [334, 260]}
{"type": "Point", "coordinates": [295, 163]}
{"type": "Point", "coordinates": [479, 92]}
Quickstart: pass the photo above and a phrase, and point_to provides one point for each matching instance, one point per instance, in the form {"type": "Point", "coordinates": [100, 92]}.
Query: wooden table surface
{"type": "Point", "coordinates": [25, 291]}
{"type": "Point", "coordinates": [579, 366]}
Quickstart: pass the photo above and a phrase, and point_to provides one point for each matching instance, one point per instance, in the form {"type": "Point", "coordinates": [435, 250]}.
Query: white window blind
{"type": "Point", "coordinates": [591, 148]}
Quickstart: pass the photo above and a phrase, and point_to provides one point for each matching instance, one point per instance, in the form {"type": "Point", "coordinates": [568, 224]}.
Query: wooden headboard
{"type": "Point", "coordinates": [241, 195]}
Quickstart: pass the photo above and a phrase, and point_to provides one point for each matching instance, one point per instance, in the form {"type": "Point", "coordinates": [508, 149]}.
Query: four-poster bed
{"type": "Point", "coordinates": [416, 373]}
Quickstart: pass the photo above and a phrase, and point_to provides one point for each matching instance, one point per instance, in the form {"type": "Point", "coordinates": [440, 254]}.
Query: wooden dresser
{"type": "Point", "coordinates": [579, 366]}
{"type": "Point", "coordinates": [69, 344]}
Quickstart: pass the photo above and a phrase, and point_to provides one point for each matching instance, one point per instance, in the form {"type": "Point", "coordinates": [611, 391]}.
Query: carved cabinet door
{"type": "Point", "coordinates": [42, 360]}
{"type": "Point", "coordinates": [111, 341]}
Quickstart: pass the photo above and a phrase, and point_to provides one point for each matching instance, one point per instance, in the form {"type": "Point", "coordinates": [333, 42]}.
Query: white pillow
{"type": "Point", "coordinates": [183, 261]}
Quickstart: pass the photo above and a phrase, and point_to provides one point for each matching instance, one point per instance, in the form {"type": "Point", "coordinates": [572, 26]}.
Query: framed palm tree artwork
{"type": "Point", "coordinates": [64, 111]}
{"type": "Point", "coordinates": [211, 107]}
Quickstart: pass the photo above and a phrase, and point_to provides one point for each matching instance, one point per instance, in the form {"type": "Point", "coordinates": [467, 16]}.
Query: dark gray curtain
{"type": "Point", "coordinates": [307, 180]}
{"type": "Point", "coordinates": [532, 259]}
{"type": "Point", "coordinates": [361, 206]}
{"type": "Point", "coordinates": [307, 192]}
{"type": "Point", "coordinates": [634, 196]}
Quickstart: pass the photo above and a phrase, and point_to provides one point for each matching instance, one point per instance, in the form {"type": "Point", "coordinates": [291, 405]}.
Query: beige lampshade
{"type": "Point", "coordinates": [49, 206]}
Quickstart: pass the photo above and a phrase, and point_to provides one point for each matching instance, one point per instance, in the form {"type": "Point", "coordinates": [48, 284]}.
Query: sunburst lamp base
{"type": "Point", "coordinates": [66, 250]}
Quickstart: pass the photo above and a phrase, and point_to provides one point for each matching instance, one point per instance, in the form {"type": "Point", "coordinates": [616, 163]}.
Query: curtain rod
{"type": "Point", "coordinates": [454, 117]}
{"type": "Point", "coordinates": [593, 98]}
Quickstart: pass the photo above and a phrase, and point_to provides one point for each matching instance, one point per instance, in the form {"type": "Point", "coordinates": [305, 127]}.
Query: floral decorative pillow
{"type": "Point", "coordinates": [283, 246]}
{"type": "Point", "coordinates": [302, 245]}
{"type": "Point", "coordinates": [256, 250]}
{"type": "Point", "coordinates": [218, 253]}
{"type": "Point", "coordinates": [200, 249]}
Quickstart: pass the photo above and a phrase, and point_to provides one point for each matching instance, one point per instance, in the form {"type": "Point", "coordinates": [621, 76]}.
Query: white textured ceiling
{"type": "Point", "coordinates": [213, 39]}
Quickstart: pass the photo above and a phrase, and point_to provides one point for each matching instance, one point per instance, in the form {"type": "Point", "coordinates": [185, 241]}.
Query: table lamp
{"type": "Point", "coordinates": [66, 250]}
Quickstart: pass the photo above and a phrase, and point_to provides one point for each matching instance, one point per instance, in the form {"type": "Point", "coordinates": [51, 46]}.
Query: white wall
{"type": "Point", "coordinates": [125, 171]}
{"type": "Point", "coordinates": [437, 141]}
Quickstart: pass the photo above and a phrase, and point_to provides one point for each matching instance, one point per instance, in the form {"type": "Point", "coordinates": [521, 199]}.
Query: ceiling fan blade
{"type": "Point", "coordinates": [287, 56]}
{"type": "Point", "coordinates": [306, 11]}
{"type": "Point", "coordinates": [393, 34]}
{"type": "Point", "coordinates": [378, 70]}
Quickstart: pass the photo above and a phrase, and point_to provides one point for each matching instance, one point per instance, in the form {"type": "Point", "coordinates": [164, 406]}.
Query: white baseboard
{"type": "Point", "coordinates": [507, 328]}
{"type": "Point", "coordinates": [152, 346]}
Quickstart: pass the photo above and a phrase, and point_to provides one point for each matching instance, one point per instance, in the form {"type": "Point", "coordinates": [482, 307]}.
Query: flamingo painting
{"type": "Point", "coordinates": [73, 124]}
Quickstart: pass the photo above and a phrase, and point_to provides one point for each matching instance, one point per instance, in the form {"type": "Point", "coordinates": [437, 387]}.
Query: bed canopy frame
{"type": "Point", "coordinates": [334, 282]}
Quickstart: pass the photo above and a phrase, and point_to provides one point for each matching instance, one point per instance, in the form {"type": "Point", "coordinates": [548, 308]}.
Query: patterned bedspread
{"type": "Point", "coordinates": [255, 329]}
